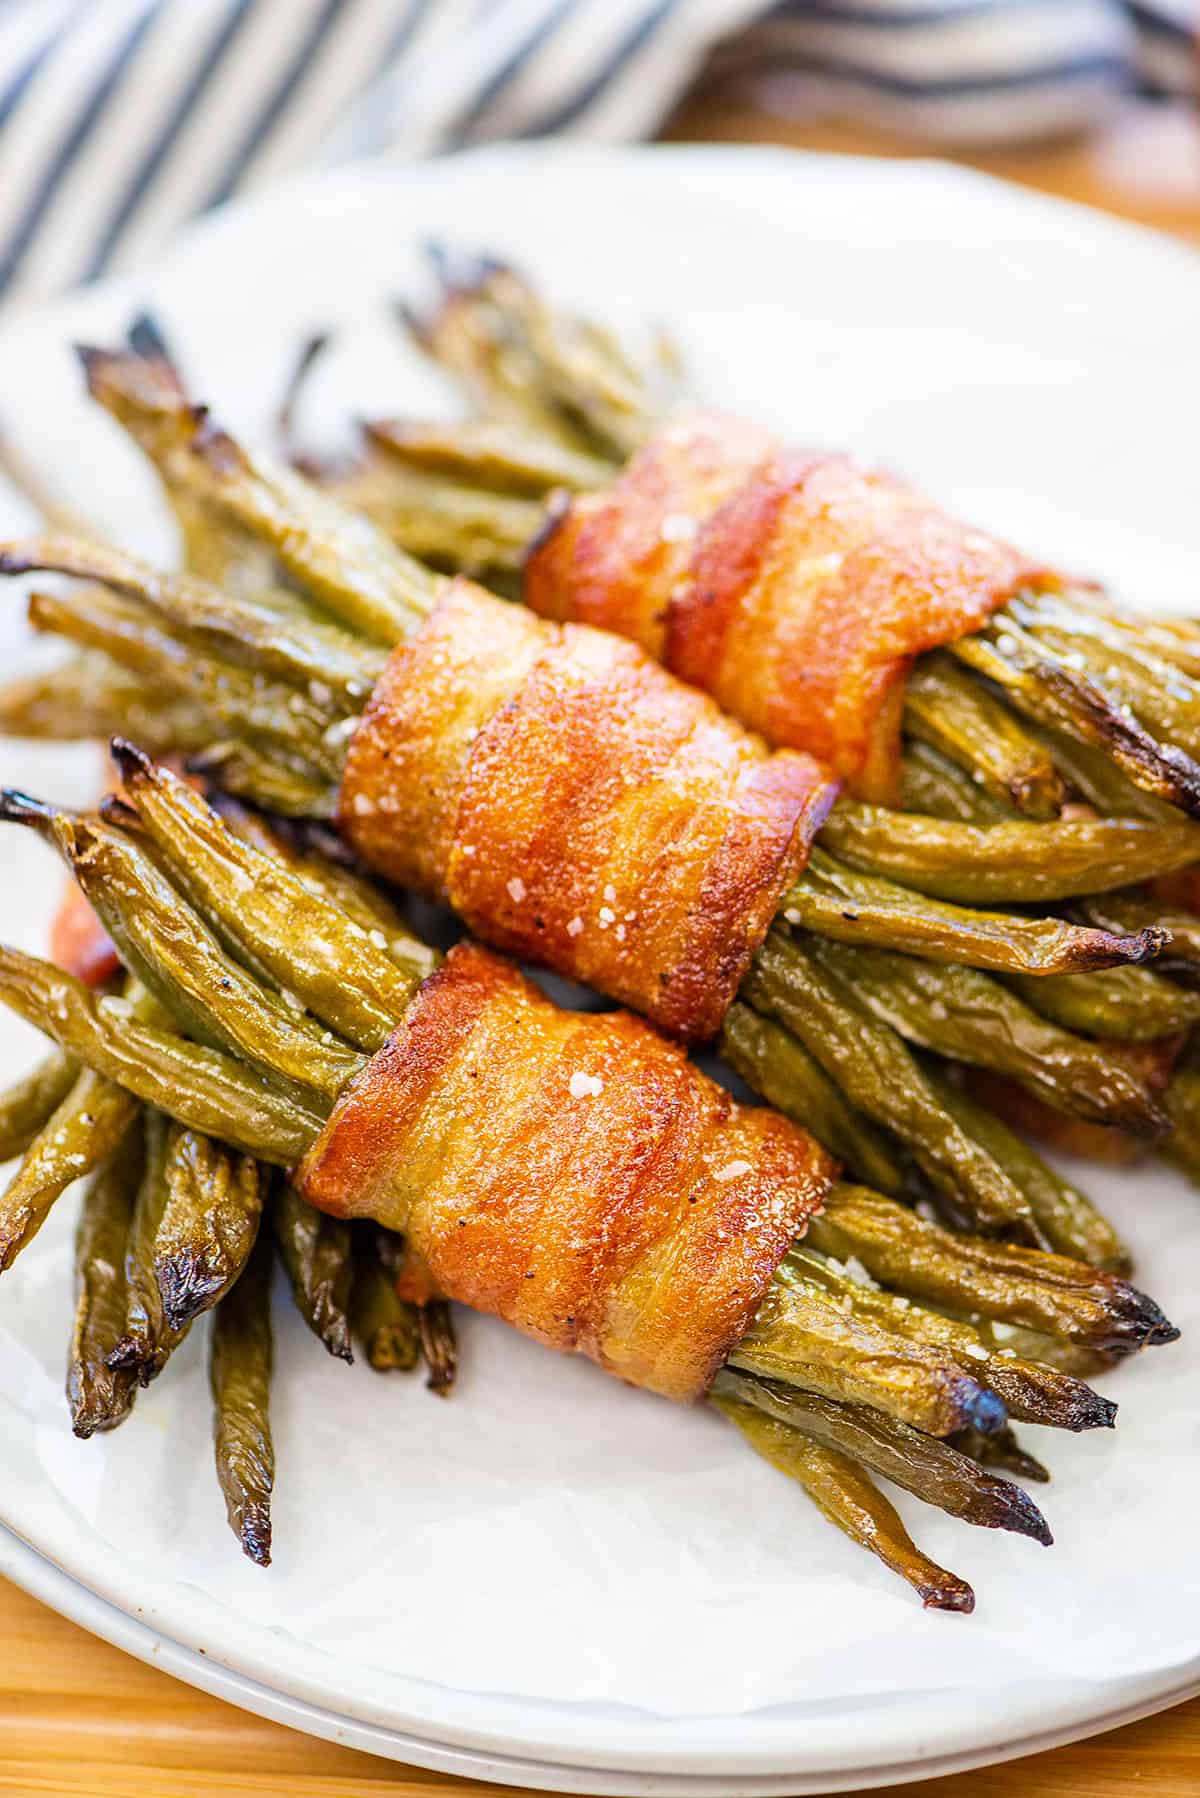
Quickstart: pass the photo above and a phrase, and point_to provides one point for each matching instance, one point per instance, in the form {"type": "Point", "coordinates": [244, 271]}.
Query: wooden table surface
{"type": "Point", "coordinates": [78, 1717]}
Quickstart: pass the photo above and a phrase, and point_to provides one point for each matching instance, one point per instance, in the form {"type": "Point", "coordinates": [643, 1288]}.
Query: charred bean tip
{"type": "Point", "coordinates": [16, 560]}
{"type": "Point", "coordinates": [115, 810]}
{"type": "Point", "coordinates": [255, 1534]}
{"type": "Point", "coordinates": [1016, 1511]}
{"type": "Point", "coordinates": [130, 761]}
{"type": "Point", "coordinates": [1138, 1322]}
{"type": "Point", "coordinates": [134, 1355]}
{"type": "Point", "coordinates": [145, 338]}
{"type": "Point", "coordinates": [186, 1285]}
{"type": "Point", "coordinates": [947, 1593]}
{"type": "Point", "coordinates": [20, 808]}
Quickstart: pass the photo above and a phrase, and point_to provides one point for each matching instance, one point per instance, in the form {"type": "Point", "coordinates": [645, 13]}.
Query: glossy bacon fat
{"type": "Point", "coordinates": [570, 1172]}
{"type": "Point", "coordinates": [795, 588]}
{"type": "Point", "coordinates": [578, 806]}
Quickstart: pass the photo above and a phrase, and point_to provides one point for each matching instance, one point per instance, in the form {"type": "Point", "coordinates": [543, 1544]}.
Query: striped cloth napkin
{"type": "Point", "coordinates": [120, 119]}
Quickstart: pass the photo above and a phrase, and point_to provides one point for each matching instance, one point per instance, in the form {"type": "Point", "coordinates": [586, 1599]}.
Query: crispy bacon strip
{"type": "Point", "coordinates": [579, 807]}
{"type": "Point", "coordinates": [795, 588]}
{"type": "Point", "coordinates": [572, 1173]}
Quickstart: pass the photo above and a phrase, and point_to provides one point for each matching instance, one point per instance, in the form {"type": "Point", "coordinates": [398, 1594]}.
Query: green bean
{"type": "Point", "coordinates": [385, 1325]}
{"type": "Point", "coordinates": [204, 1089]}
{"type": "Point", "coordinates": [1125, 1004]}
{"type": "Point", "coordinates": [1182, 1104]}
{"type": "Point", "coordinates": [936, 787]}
{"type": "Point", "coordinates": [1067, 1220]}
{"type": "Point", "coordinates": [799, 1336]}
{"type": "Point", "coordinates": [99, 1396]}
{"type": "Point", "coordinates": [90, 696]}
{"type": "Point", "coordinates": [239, 1371]}
{"type": "Point", "coordinates": [1004, 1451]}
{"type": "Point", "coordinates": [1133, 911]}
{"type": "Point", "coordinates": [1050, 689]}
{"type": "Point", "coordinates": [274, 782]}
{"type": "Point", "coordinates": [834, 901]}
{"type": "Point", "coordinates": [184, 966]}
{"type": "Point", "coordinates": [27, 1106]}
{"type": "Point", "coordinates": [249, 705]}
{"type": "Point", "coordinates": [847, 1496]}
{"type": "Point", "coordinates": [460, 529]}
{"type": "Point", "coordinates": [483, 453]}
{"type": "Point", "coordinates": [439, 1345]}
{"type": "Point", "coordinates": [1004, 1281]}
{"type": "Point", "coordinates": [946, 708]}
{"type": "Point", "coordinates": [335, 670]}
{"type": "Point", "coordinates": [780, 1070]}
{"type": "Point", "coordinates": [930, 1469]}
{"type": "Point", "coordinates": [82, 1132]}
{"type": "Point", "coordinates": [966, 1015]}
{"type": "Point", "coordinates": [317, 1252]}
{"type": "Point", "coordinates": [148, 1340]}
{"type": "Point", "coordinates": [879, 1075]}
{"type": "Point", "coordinates": [208, 1227]}
{"type": "Point", "coordinates": [1176, 640]}
{"type": "Point", "coordinates": [1008, 863]}
{"type": "Point", "coordinates": [1092, 774]}
{"type": "Point", "coordinates": [267, 916]}
{"type": "Point", "coordinates": [1029, 1390]}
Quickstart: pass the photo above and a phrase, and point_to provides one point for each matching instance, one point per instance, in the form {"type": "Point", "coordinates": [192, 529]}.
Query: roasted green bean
{"type": "Point", "coordinates": [90, 697]}
{"type": "Point", "coordinates": [148, 1340]}
{"type": "Point", "coordinates": [82, 1132]}
{"type": "Point", "coordinates": [1015, 863]}
{"type": "Point", "coordinates": [317, 1252]}
{"type": "Point", "coordinates": [1125, 1004]}
{"type": "Point", "coordinates": [385, 1325]}
{"type": "Point", "coordinates": [27, 1106]}
{"type": "Point", "coordinates": [937, 788]}
{"type": "Point", "coordinates": [461, 529]}
{"type": "Point", "coordinates": [1002, 1450]}
{"type": "Point", "coordinates": [969, 1016]}
{"type": "Point", "coordinates": [239, 1368]}
{"type": "Point", "coordinates": [920, 1464]}
{"type": "Point", "coordinates": [99, 1396]}
{"type": "Point", "coordinates": [997, 1280]}
{"type": "Point", "coordinates": [481, 453]}
{"type": "Point", "coordinates": [214, 1201]}
{"type": "Point", "coordinates": [851, 1501]}
{"type": "Point", "coordinates": [945, 707]}
{"type": "Point", "coordinates": [834, 901]}
{"type": "Point", "coordinates": [439, 1345]}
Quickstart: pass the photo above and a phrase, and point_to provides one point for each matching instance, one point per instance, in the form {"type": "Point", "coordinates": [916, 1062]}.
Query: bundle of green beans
{"type": "Point", "coordinates": [169, 1228]}
{"type": "Point", "coordinates": [885, 1344]}
{"type": "Point", "coordinates": [274, 650]}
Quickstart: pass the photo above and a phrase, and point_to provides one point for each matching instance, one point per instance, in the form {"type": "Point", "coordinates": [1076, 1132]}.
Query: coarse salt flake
{"type": "Point", "coordinates": [677, 527]}
{"type": "Point", "coordinates": [733, 1170]}
{"type": "Point", "coordinates": [610, 893]}
{"type": "Point", "coordinates": [585, 1086]}
{"type": "Point", "coordinates": [607, 914]}
{"type": "Point", "coordinates": [574, 927]}
{"type": "Point", "coordinates": [363, 806]}
{"type": "Point", "coordinates": [516, 889]}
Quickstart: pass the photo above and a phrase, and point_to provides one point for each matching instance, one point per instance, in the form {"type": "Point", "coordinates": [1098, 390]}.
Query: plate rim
{"type": "Point", "coordinates": [1062, 1713]}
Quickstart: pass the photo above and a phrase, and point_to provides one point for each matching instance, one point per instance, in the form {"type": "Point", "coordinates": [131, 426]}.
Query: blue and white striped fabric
{"type": "Point", "coordinates": [120, 119]}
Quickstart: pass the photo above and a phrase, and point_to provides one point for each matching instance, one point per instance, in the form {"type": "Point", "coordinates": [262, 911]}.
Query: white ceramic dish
{"type": "Point", "coordinates": [551, 1580]}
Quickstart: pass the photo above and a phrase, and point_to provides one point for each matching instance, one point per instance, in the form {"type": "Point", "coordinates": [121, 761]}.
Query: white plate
{"type": "Point", "coordinates": [552, 1579]}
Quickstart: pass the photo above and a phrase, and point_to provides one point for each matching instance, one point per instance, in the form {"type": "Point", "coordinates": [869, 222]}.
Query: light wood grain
{"type": "Point", "coordinates": [82, 1720]}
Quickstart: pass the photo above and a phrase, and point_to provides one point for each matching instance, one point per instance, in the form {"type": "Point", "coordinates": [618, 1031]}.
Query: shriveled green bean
{"type": "Point", "coordinates": [483, 453]}
{"type": "Point", "coordinates": [208, 1227]}
{"type": "Point", "coordinates": [265, 914]}
{"type": "Point", "coordinates": [29, 1103]}
{"type": "Point", "coordinates": [203, 1088]}
{"type": "Point", "coordinates": [945, 707]}
{"type": "Point", "coordinates": [276, 783]}
{"type": "Point", "coordinates": [98, 1395]}
{"type": "Point", "coordinates": [1068, 1221]}
{"type": "Point", "coordinates": [239, 1369]}
{"type": "Point", "coordinates": [1182, 1104]}
{"type": "Point", "coordinates": [837, 902]}
{"type": "Point", "coordinates": [781, 1071]}
{"type": "Point", "coordinates": [439, 1345]}
{"type": "Point", "coordinates": [1126, 1004]}
{"type": "Point", "coordinates": [1031, 1391]}
{"type": "Point", "coordinates": [961, 1013]}
{"type": "Point", "coordinates": [82, 1132]}
{"type": "Point", "coordinates": [998, 1280]}
{"type": "Point", "coordinates": [247, 705]}
{"type": "Point", "coordinates": [148, 1340]}
{"type": "Point", "coordinates": [453, 527]}
{"type": "Point", "coordinates": [878, 1073]}
{"type": "Point", "coordinates": [1051, 689]}
{"type": "Point", "coordinates": [185, 967]}
{"type": "Point", "coordinates": [1133, 910]}
{"type": "Point", "coordinates": [385, 1325]}
{"type": "Point", "coordinates": [334, 668]}
{"type": "Point", "coordinates": [801, 1336]}
{"type": "Point", "coordinates": [1002, 1450]}
{"type": "Point", "coordinates": [847, 1496]}
{"type": "Point", "coordinates": [937, 788]}
{"type": "Point", "coordinates": [90, 696]}
{"type": "Point", "coordinates": [317, 1252]}
{"type": "Point", "coordinates": [1015, 863]}
{"type": "Point", "coordinates": [921, 1464]}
